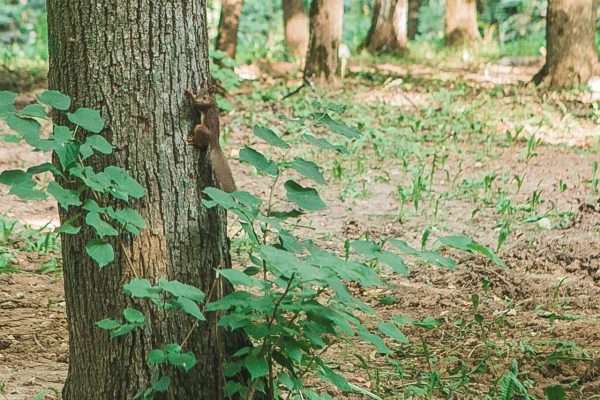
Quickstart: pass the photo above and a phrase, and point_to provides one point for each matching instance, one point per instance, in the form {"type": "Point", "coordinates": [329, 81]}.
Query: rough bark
{"type": "Point", "coordinates": [461, 22]}
{"type": "Point", "coordinates": [388, 31]}
{"type": "Point", "coordinates": [229, 23]}
{"type": "Point", "coordinates": [322, 60]}
{"type": "Point", "coordinates": [572, 58]}
{"type": "Point", "coordinates": [414, 7]}
{"type": "Point", "coordinates": [132, 60]}
{"type": "Point", "coordinates": [295, 22]}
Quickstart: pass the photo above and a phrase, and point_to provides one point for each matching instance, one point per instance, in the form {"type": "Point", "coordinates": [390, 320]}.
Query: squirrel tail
{"type": "Point", "coordinates": [222, 172]}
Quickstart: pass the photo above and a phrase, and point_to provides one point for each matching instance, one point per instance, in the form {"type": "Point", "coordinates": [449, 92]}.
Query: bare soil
{"type": "Point", "coordinates": [547, 271]}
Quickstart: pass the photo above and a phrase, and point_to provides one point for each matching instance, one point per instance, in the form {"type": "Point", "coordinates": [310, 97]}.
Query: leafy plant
{"type": "Point", "coordinates": [293, 299]}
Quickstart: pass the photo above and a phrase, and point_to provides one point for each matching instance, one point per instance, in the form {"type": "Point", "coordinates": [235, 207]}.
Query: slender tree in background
{"type": "Point", "coordinates": [322, 60]}
{"type": "Point", "coordinates": [295, 22]}
{"type": "Point", "coordinates": [413, 18]}
{"type": "Point", "coordinates": [572, 58]}
{"type": "Point", "coordinates": [389, 25]}
{"type": "Point", "coordinates": [135, 73]}
{"type": "Point", "coordinates": [229, 23]}
{"type": "Point", "coordinates": [461, 22]}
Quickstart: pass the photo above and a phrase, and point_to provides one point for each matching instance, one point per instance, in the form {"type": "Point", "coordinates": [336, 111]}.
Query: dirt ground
{"type": "Point", "coordinates": [554, 270]}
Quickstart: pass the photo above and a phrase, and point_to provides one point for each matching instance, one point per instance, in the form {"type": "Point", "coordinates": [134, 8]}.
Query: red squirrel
{"type": "Point", "coordinates": [206, 135]}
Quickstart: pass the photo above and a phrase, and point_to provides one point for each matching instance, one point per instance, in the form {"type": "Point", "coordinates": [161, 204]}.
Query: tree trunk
{"type": "Point", "coordinates": [572, 58]}
{"type": "Point", "coordinates": [132, 60]}
{"type": "Point", "coordinates": [322, 61]}
{"type": "Point", "coordinates": [388, 31]}
{"type": "Point", "coordinates": [295, 22]}
{"type": "Point", "coordinates": [229, 23]}
{"type": "Point", "coordinates": [461, 22]}
{"type": "Point", "coordinates": [414, 6]}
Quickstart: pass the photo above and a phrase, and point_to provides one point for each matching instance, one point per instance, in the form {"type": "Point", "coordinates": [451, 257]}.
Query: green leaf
{"type": "Point", "coordinates": [185, 361]}
{"type": "Point", "coordinates": [465, 243]}
{"type": "Point", "coordinates": [108, 324]}
{"type": "Point", "coordinates": [45, 167]}
{"type": "Point", "coordinates": [555, 392]}
{"type": "Point", "coordinates": [7, 97]}
{"type": "Point", "coordinates": [179, 289]}
{"type": "Point", "coordinates": [141, 288]}
{"type": "Point", "coordinates": [22, 185]}
{"type": "Point", "coordinates": [34, 110]}
{"type": "Point", "coordinates": [404, 247]}
{"type": "Point", "coordinates": [428, 323]}
{"type": "Point", "coordinates": [13, 177]}
{"type": "Point", "coordinates": [338, 380]}
{"type": "Point", "coordinates": [102, 228]}
{"type": "Point", "coordinates": [289, 242]}
{"type": "Point", "coordinates": [258, 161]}
{"type": "Point", "coordinates": [324, 143]}
{"type": "Point", "coordinates": [172, 348]}
{"type": "Point", "coordinates": [246, 198]}
{"type": "Point", "coordinates": [258, 367]}
{"type": "Point", "coordinates": [67, 154]}
{"type": "Point", "coordinates": [220, 197]}
{"type": "Point", "coordinates": [308, 169]}
{"type": "Point", "coordinates": [64, 196]}
{"type": "Point", "coordinates": [337, 127]}
{"type": "Point", "coordinates": [395, 262]}
{"type": "Point", "coordinates": [269, 136]}
{"type": "Point", "coordinates": [124, 185]}
{"type": "Point", "coordinates": [28, 128]}
{"type": "Point", "coordinates": [100, 251]}
{"type": "Point", "coordinates": [391, 330]}
{"type": "Point", "coordinates": [438, 259]}
{"type": "Point", "coordinates": [134, 316]}
{"type": "Point", "coordinates": [130, 216]}
{"type": "Point", "coordinates": [91, 205]}
{"type": "Point", "coordinates": [55, 99]}
{"type": "Point", "coordinates": [373, 339]}
{"type": "Point", "coordinates": [457, 242]}
{"type": "Point", "coordinates": [99, 143]}
{"type": "Point", "coordinates": [190, 307]}
{"type": "Point", "coordinates": [236, 277]}
{"type": "Point", "coordinates": [366, 248]}
{"type": "Point", "coordinates": [41, 395]}
{"type": "Point", "coordinates": [305, 197]}
{"type": "Point", "coordinates": [88, 119]}
{"type": "Point", "coordinates": [286, 214]}
{"type": "Point", "coordinates": [62, 134]}
{"type": "Point", "coordinates": [162, 385]}
{"type": "Point", "coordinates": [95, 181]}
{"type": "Point", "coordinates": [11, 138]}
{"type": "Point", "coordinates": [6, 110]}
{"type": "Point", "coordinates": [156, 356]}
{"type": "Point", "coordinates": [123, 330]}
{"type": "Point", "coordinates": [68, 229]}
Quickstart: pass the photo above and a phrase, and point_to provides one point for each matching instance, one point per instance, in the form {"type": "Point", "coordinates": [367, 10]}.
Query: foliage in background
{"type": "Point", "coordinates": [517, 26]}
{"type": "Point", "coordinates": [23, 44]}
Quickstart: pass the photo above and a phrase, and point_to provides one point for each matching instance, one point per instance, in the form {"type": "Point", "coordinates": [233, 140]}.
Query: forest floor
{"type": "Point", "coordinates": [471, 151]}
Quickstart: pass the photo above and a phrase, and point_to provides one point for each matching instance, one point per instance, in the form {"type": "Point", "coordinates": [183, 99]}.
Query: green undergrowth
{"type": "Point", "coordinates": [448, 143]}
{"type": "Point", "coordinates": [20, 242]}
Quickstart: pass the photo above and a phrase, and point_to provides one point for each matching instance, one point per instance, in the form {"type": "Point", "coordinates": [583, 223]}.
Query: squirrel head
{"type": "Point", "coordinates": [204, 97]}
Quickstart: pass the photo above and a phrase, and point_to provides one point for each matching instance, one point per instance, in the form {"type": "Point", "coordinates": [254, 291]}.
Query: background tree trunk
{"type": "Point", "coordinates": [388, 31]}
{"type": "Point", "coordinates": [414, 6]}
{"type": "Point", "coordinates": [295, 22]}
{"type": "Point", "coordinates": [322, 61]}
{"type": "Point", "coordinates": [572, 58]}
{"type": "Point", "coordinates": [132, 60]}
{"type": "Point", "coordinates": [461, 22]}
{"type": "Point", "coordinates": [229, 23]}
